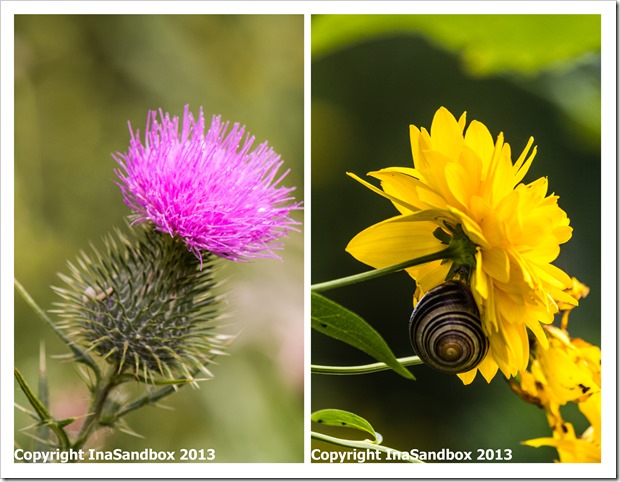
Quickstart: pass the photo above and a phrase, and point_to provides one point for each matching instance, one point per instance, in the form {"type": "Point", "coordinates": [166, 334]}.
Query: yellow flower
{"type": "Point", "coordinates": [572, 368]}
{"type": "Point", "coordinates": [464, 182]}
{"type": "Point", "coordinates": [577, 290]}
{"type": "Point", "coordinates": [568, 371]}
{"type": "Point", "coordinates": [569, 447]}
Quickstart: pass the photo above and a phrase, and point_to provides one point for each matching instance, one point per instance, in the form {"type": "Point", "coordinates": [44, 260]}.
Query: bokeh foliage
{"type": "Point", "coordinates": [373, 76]}
{"type": "Point", "coordinates": [487, 44]}
{"type": "Point", "coordinates": [78, 80]}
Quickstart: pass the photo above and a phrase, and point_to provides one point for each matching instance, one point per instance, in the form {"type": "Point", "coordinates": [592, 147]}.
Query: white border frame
{"type": "Point", "coordinates": [607, 10]}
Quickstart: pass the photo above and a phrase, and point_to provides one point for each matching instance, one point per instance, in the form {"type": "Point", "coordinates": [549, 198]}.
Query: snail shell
{"type": "Point", "coordinates": [445, 329]}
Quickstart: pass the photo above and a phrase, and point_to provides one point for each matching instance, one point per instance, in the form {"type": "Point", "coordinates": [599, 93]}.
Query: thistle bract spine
{"type": "Point", "coordinates": [143, 305]}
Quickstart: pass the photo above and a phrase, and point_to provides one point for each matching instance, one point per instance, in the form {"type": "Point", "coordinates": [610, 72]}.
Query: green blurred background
{"type": "Point", "coordinates": [373, 76]}
{"type": "Point", "coordinates": [78, 80]}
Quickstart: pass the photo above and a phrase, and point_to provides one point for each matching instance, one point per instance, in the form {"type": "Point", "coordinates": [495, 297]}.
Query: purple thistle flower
{"type": "Point", "coordinates": [211, 190]}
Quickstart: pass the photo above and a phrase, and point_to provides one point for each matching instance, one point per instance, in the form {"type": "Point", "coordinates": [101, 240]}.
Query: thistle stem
{"type": "Point", "coordinates": [376, 273]}
{"type": "Point", "coordinates": [101, 392]}
{"type": "Point", "coordinates": [362, 369]}
{"type": "Point", "coordinates": [148, 399]}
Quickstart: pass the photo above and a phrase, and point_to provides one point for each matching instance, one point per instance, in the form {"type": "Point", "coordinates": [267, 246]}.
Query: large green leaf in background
{"type": "Point", "coordinates": [488, 44]}
{"type": "Point", "coordinates": [554, 56]}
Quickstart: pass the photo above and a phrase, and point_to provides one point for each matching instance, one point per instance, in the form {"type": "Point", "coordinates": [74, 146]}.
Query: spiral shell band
{"type": "Point", "coordinates": [446, 331]}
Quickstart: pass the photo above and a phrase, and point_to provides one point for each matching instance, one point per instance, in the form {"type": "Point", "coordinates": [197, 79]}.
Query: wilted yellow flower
{"type": "Point", "coordinates": [572, 368]}
{"type": "Point", "coordinates": [569, 447]}
{"type": "Point", "coordinates": [463, 182]}
{"type": "Point", "coordinates": [568, 371]}
{"type": "Point", "coordinates": [578, 290]}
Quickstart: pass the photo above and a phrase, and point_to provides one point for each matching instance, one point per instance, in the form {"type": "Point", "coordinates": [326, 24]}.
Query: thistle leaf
{"type": "Point", "coordinates": [43, 413]}
{"type": "Point", "coordinates": [42, 432]}
{"type": "Point", "coordinates": [79, 354]}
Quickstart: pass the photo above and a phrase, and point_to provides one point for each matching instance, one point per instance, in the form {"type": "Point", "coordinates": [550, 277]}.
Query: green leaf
{"type": "Point", "coordinates": [42, 432]}
{"type": "Point", "coordinates": [79, 354]}
{"type": "Point", "coordinates": [39, 407]}
{"type": "Point", "coordinates": [335, 321]}
{"type": "Point", "coordinates": [66, 421]}
{"type": "Point", "coordinates": [487, 44]}
{"type": "Point", "coordinates": [342, 418]}
{"type": "Point", "coordinates": [42, 412]}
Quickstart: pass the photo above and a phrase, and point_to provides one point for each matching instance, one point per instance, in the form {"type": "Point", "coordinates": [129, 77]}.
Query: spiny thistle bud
{"type": "Point", "coordinates": [144, 306]}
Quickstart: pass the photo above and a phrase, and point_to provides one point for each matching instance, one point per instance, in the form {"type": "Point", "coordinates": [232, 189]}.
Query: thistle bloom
{"type": "Point", "coordinates": [465, 184]}
{"type": "Point", "coordinates": [210, 190]}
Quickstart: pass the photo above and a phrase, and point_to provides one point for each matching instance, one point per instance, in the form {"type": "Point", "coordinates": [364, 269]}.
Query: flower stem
{"type": "Point", "coordinates": [149, 399]}
{"type": "Point", "coordinates": [101, 392]}
{"type": "Point", "coordinates": [376, 273]}
{"type": "Point", "coordinates": [361, 444]}
{"type": "Point", "coordinates": [362, 369]}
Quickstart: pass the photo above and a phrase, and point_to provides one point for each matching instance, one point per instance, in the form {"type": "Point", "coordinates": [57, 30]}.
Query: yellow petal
{"type": "Point", "coordinates": [563, 233]}
{"type": "Point", "coordinates": [391, 242]}
{"type": "Point", "coordinates": [591, 408]}
{"type": "Point", "coordinates": [501, 185]}
{"type": "Point", "coordinates": [574, 450]}
{"type": "Point", "coordinates": [446, 135]}
{"type": "Point", "coordinates": [468, 377]}
{"type": "Point", "coordinates": [436, 178]}
{"type": "Point", "coordinates": [507, 348]}
{"type": "Point", "coordinates": [462, 121]}
{"type": "Point", "coordinates": [521, 166]}
{"type": "Point", "coordinates": [553, 275]}
{"type": "Point", "coordinates": [535, 326]}
{"type": "Point", "coordinates": [435, 215]}
{"type": "Point", "coordinates": [488, 170]}
{"type": "Point", "coordinates": [488, 368]}
{"type": "Point", "coordinates": [402, 187]}
{"type": "Point", "coordinates": [462, 183]}
{"type": "Point", "coordinates": [479, 139]}
{"type": "Point", "coordinates": [414, 136]}
{"type": "Point", "coordinates": [394, 199]}
{"type": "Point", "coordinates": [479, 279]}
{"type": "Point", "coordinates": [496, 264]}
{"type": "Point", "coordinates": [546, 251]}
{"type": "Point", "coordinates": [429, 275]}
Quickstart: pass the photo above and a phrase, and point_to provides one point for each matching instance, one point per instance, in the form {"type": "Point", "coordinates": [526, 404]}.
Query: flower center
{"type": "Point", "coordinates": [463, 250]}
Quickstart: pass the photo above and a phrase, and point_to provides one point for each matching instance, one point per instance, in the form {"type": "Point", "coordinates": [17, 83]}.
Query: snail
{"type": "Point", "coordinates": [446, 331]}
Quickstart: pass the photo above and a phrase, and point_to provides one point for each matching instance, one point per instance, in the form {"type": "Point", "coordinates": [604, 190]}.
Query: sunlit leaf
{"type": "Point", "coordinates": [487, 44]}
{"type": "Point", "coordinates": [342, 418]}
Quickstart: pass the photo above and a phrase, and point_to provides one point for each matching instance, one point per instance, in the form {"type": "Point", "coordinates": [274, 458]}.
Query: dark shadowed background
{"type": "Point", "coordinates": [373, 76]}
